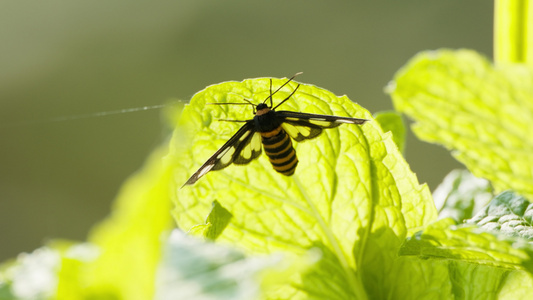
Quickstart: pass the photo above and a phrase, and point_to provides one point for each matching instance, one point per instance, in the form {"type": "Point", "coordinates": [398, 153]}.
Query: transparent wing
{"type": "Point", "coordinates": [243, 147]}
{"type": "Point", "coordinates": [303, 126]}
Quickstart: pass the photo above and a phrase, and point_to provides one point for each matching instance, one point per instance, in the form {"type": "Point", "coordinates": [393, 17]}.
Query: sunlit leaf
{"type": "Point", "coordinates": [194, 269]}
{"type": "Point", "coordinates": [461, 195]}
{"type": "Point", "coordinates": [481, 112]}
{"type": "Point", "coordinates": [129, 242]}
{"type": "Point", "coordinates": [392, 121]}
{"type": "Point", "coordinates": [508, 213]}
{"type": "Point", "coordinates": [352, 197]}
{"type": "Point", "coordinates": [445, 240]}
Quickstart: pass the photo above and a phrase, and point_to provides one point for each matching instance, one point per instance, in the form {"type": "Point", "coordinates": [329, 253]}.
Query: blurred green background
{"type": "Point", "coordinates": [67, 58]}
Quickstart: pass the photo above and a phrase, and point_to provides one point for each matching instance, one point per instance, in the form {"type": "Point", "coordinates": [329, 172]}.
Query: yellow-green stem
{"type": "Point", "coordinates": [513, 31]}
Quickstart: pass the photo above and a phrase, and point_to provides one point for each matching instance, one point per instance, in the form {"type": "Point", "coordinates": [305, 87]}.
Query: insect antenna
{"type": "Point", "coordinates": [287, 97]}
{"type": "Point", "coordinates": [271, 94]}
{"type": "Point", "coordinates": [269, 97]}
{"type": "Point", "coordinates": [248, 102]}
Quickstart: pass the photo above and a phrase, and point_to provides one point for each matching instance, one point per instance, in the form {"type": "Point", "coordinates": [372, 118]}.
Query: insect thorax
{"type": "Point", "coordinates": [266, 122]}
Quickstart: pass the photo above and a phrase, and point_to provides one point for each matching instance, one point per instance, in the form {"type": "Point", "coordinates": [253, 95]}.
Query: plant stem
{"type": "Point", "coordinates": [513, 31]}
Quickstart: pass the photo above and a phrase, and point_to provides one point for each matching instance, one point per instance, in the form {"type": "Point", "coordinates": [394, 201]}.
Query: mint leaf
{"type": "Point", "coordinates": [461, 195]}
{"type": "Point", "coordinates": [474, 281]}
{"type": "Point", "coordinates": [31, 275]}
{"type": "Point", "coordinates": [129, 241]}
{"type": "Point", "coordinates": [37, 275]}
{"type": "Point", "coordinates": [352, 197]}
{"type": "Point", "coordinates": [481, 112]}
{"type": "Point", "coordinates": [476, 263]}
{"type": "Point", "coordinates": [5, 291]}
{"type": "Point", "coordinates": [508, 213]}
{"type": "Point", "coordinates": [445, 240]}
{"type": "Point", "coordinates": [193, 269]}
{"type": "Point", "coordinates": [216, 222]}
{"type": "Point", "coordinates": [392, 121]}
{"type": "Point", "coordinates": [517, 285]}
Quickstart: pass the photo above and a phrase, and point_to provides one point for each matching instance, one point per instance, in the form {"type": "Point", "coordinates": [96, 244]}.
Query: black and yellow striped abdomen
{"type": "Point", "coordinates": [278, 147]}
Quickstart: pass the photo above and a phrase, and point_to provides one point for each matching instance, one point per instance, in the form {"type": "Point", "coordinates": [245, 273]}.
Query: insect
{"type": "Point", "coordinates": [272, 130]}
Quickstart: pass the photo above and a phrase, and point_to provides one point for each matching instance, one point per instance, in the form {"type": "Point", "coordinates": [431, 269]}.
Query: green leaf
{"type": "Point", "coordinates": [422, 279]}
{"type": "Point", "coordinates": [392, 121]}
{"type": "Point", "coordinates": [352, 197]}
{"type": "Point", "coordinates": [35, 275]}
{"type": "Point", "coordinates": [479, 264]}
{"type": "Point", "coordinates": [216, 222]}
{"type": "Point", "coordinates": [474, 281]}
{"type": "Point", "coordinates": [517, 285]}
{"type": "Point", "coordinates": [193, 269]}
{"type": "Point", "coordinates": [508, 213]}
{"type": "Point", "coordinates": [461, 195]}
{"type": "Point", "coordinates": [129, 241]}
{"type": "Point", "coordinates": [31, 275]}
{"type": "Point", "coordinates": [5, 292]}
{"type": "Point", "coordinates": [483, 114]}
{"type": "Point", "coordinates": [444, 240]}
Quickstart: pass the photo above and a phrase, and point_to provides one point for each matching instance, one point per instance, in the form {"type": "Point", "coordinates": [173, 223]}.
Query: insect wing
{"type": "Point", "coordinates": [248, 149]}
{"type": "Point", "coordinates": [241, 148]}
{"type": "Point", "coordinates": [303, 126]}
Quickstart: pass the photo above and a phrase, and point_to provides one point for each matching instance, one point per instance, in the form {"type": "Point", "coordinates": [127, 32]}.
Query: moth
{"type": "Point", "coordinates": [272, 130]}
